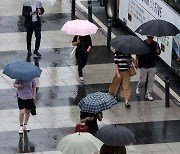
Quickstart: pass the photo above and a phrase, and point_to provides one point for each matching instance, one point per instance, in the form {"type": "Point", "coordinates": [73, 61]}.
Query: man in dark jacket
{"type": "Point", "coordinates": [32, 10]}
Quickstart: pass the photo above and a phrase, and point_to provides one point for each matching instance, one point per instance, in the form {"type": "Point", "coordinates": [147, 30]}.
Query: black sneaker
{"type": "Point", "coordinates": [37, 53]}
{"type": "Point", "coordinates": [29, 53]}
{"type": "Point", "coordinates": [127, 106]}
{"type": "Point", "coordinates": [116, 97]}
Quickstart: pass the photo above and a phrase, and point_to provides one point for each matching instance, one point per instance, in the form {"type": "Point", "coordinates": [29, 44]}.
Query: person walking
{"type": "Point", "coordinates": [26, 95]}
{"type": "Point", "coordinates": [121, 81]}
{"type": "Point", "coordinates": [32, 10]}
{"type": "Point", "coordinates": [147, 65]}
{"type": "Point", "coordinates": [84, 45]}
{"type": "Point", "coordinates": [90, 120]}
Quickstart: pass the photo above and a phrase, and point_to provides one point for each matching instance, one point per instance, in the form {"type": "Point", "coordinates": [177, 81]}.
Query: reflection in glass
{"type": "Point", "coordinates": [175, 4]}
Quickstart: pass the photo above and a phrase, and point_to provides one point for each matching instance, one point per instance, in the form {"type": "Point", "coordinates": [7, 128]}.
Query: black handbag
{"type": "Point", "coordinates": [33, 109]}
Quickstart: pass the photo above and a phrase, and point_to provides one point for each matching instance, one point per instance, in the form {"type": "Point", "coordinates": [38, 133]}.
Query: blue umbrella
{"type": "Point", "coordinates": [97, 102]}
{"type": "Point", "coordinates": [22, 71]}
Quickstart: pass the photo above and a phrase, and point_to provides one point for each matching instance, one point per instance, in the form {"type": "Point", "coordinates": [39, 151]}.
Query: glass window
{"type": "Point", "coordinates": [175, 4]}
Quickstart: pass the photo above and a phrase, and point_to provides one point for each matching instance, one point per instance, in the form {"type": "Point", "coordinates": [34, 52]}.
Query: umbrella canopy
{"type": "Point", "coordinates": [79, 27]}
{"type": "Point", "coordinates": [97, 102]}
{"type": "Point", "coordinates": [22, 71]}
{"type": "Point", "coordinates": [79, 143]}
{"type": "Point", "coordinates": [157, 28]}
{"type": "Point", "coordinates": [129, 44]}
{"type": "Point", "coordinates": [115, 135]}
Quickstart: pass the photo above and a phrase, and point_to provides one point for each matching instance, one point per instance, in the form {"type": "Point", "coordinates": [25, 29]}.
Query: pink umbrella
{"type": "Point", "coordinates": [79, 27]}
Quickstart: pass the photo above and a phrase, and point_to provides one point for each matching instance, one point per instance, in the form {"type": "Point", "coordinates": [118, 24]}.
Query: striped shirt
{"type": "Point", "coordinates": [122, 60]}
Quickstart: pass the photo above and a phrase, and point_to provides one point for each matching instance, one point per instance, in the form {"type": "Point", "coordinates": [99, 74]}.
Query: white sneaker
{"type": "Point", "coordinates": [137, 90]}
{"type": "Point", "coordinates": [21, 130]}
{"type": "Point", "coordinates": [26, 128]}
{"type": "Point", "coordinates": [148, 96]}
{"type": "Point", "coordinates": [81, 79]}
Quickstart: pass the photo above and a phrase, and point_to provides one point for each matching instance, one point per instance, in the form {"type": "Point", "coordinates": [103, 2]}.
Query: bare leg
{"type": "Point", "coordinates": [21, 116]}
{"type": "Point", "coordinates": [27, 114]}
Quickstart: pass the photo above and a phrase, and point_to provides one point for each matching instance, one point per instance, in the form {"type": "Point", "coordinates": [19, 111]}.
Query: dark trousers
{"type": "Point", "coordinates": [36, 28]}
{"type": "Point", "coordinates": [81, 62]}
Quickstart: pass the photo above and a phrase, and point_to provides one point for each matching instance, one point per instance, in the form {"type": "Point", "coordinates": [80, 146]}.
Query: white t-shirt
{"type": "Point", "coordinates": [34, 17]}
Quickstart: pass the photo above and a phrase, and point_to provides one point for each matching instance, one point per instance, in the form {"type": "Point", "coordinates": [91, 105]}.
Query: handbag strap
{"type": "Point", "coordinates": [77, 37]}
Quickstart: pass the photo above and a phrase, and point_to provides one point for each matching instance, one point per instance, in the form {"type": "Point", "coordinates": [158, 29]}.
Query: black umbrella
{"type": "Point", "coordinates": [129, 44]}
{"type": "Point", "coordinates": [157, 28]}
{"type": "Point", "coordinates": [115, 135]}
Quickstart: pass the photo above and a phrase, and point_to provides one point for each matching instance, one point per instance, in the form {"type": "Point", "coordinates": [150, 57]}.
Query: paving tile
{"type": "Point", "coordinates": [59, 88]}
{"type": "Point", "coordinates": [149, 147]}
{"type": "Point", "coordinates": [174, 146]}
{"type": "Point", "coordinates": [166, 152]}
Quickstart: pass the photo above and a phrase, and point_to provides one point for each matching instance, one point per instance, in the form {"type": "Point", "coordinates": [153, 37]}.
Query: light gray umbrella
{"type": "Point", "coordinates": [158, 28]}
{"type": "Point", "coordinates": [79, 143]}
{"type": "Point", "coordinates": [129, 44]}
{"type": "Point", "coordinates": [115, 135]}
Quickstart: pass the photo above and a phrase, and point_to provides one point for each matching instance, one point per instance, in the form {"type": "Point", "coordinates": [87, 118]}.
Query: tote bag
{"type": "Point", "coordinates": [73, 52]}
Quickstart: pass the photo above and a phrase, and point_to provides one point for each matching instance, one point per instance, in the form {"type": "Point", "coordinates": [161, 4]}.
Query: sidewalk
{"type": "Point", "coordinates": [59, 90]}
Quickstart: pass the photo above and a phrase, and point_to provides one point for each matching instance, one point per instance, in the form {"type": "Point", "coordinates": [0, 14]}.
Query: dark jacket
{"type": "Point", "coordinates": [26, 13]}
{"type": "Point", "coordinates": [92, 125]}
{"type": "Point", "coordinates": [148, 60]}
{"type": "Point", "coordinates": [85, 42]}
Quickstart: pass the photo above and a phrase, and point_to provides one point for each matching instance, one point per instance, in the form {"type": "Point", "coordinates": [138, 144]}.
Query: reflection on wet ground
{"type": "Point", "coordinates": [50, 22]}
{"type": "Point", "coordinates": [48, 138]}
{"type": "Point", "coordinates": [156, 132]}
{"type": "Point", "coordinates": [24, 144]}
{"type": "Point", "coordinates": [68, 95]}
{"type": "Point", "coordinates": [57, 105]}
{"type": "Point", "coordinates": [57, 57]}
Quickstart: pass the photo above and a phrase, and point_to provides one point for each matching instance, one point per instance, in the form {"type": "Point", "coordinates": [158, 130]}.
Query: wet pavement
{"type": "Point", "coordinates": [59, 89]}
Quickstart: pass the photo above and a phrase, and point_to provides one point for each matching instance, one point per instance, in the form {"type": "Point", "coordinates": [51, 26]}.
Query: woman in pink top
{"type": "Point", "coordinates": [26, 94]}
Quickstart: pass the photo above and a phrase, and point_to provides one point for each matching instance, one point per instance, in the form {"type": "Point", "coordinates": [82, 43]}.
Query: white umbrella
{"type": "Point", "coordinates": [79, 143]}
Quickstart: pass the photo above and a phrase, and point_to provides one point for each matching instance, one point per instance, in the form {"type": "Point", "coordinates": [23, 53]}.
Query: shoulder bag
{"type": "Point", "coordinates": [132, 71]}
